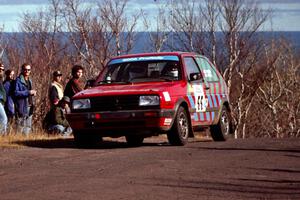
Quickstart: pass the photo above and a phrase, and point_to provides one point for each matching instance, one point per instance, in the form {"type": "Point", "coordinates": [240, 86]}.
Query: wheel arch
{"type": "Point", "coordinates": [231, 118]}
{"type": "Point", "coordinates": [227, 106]}
{"type": "Point", "coordinates": [183, 103]}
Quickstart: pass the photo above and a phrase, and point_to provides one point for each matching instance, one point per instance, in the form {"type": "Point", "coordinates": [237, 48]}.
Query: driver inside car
{"type": "Point", "coordinates": [171, 70]}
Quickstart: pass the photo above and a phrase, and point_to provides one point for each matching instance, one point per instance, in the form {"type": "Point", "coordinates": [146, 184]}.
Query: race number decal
{"type": "Point", "coordinates": [201, 102]}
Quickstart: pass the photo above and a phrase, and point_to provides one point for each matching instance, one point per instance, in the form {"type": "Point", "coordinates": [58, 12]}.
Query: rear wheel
{"type": "Point", "coordinates": [179, 133]}
{"type": "Point", "coordinates": [85, 140]}
{"type": "Point", "coordinates": [134, 140]}
{"type": "Point", "coordinates": [221, 131]}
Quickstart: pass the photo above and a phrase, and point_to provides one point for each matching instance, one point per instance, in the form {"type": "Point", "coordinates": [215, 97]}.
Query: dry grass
{"type": "Point", "coordinates": [18, 140]}
{"type": "Point", "coordinates": [42, 139]}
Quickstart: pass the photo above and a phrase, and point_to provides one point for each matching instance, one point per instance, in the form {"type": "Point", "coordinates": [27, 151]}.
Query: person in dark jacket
{"type": "Point", "coordinates": [24, 100]}
{"type": "Point", "coordinates": [58, 121]}
{"type": "Point", "coordinates": [56, 90]}
{"type": "Point", "coordinates": [9, 86]}
{"type": "Point", "coordinates": [3, 117]}
{"type": "Point", "coordinates": [75, 84]}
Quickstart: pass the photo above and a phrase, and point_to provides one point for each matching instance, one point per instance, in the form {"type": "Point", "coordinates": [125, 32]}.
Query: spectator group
{"type": "Point", "coordinates": [17, 101]}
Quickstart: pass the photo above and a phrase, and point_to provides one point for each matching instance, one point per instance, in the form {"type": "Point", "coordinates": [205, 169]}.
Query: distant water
{"type": "Point", "coordinates": [293, 37]}
{"type": "Point", "coordinates": [142, 42]}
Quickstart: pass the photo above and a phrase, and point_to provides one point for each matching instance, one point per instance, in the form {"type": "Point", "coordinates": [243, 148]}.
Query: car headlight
{"type": "Point", "coordinates": [81, 104]}
{"type": "Point", "coordinates": [149, 100]}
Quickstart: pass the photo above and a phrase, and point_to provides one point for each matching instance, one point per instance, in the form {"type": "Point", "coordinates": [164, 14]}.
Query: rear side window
{"type": "Point", "coordinates": [209, 73]}
{"type": "Point", "coordinates": [191, 66]}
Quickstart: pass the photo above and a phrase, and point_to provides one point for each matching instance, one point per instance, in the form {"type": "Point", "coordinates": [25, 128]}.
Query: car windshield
{"type": "Point", "coordinates": [141, 71]}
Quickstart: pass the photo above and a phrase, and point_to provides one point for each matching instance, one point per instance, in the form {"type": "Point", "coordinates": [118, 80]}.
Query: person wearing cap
{"type": "Point", "coordinates": [75, 84]}
{"type": "Point", "coordinates": [24, 100]}
{"type": "Point", "coordinates": [58, 122]}
{"type": "Point", "coordinates": [9, 86]}
{"type": "Point", "coordinates": [3, 117]}
{"type": "Point", "coordinates": [56, 90]}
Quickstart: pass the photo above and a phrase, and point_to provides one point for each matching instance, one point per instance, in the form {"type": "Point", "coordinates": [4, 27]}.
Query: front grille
{"type": "Point", "coordinates": [113, 103]}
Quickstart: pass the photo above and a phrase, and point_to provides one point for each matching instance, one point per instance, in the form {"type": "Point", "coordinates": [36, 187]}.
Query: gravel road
{"type": "Point", "coordinates": [236, 169]}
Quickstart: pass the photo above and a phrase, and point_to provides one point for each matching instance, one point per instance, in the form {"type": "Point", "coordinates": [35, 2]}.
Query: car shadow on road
{"type": "Point", "coordinates": [58, 143]}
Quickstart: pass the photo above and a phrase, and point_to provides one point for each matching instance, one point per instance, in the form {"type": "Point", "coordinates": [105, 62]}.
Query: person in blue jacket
{"type": "Point", "coordinates": [3, 117]}
{"type": "Point", "coordinates": [9, 86]}
{"type": "Point", "coordinates": [24, 100]}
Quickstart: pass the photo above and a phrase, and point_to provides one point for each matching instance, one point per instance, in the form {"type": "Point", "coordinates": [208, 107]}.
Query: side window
{"type": "Point", "coordinates": [208, 72]}
{"type": "Point", "coordinates": [191, 66]}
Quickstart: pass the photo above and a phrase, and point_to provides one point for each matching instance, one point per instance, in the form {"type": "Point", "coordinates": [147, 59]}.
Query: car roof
{"type": "Point", "coordinates": [176, 53]}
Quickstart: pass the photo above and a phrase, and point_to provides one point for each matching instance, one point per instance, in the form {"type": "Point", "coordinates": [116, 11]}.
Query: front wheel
{"type": "Point", "coordinates": [221, 131]}
{"type": "Point", "coordinates": [179, 133]}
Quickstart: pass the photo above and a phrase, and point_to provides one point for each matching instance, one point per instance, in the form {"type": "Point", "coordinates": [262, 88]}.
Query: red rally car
{"type": "Point", "coordinates": [142, 95]}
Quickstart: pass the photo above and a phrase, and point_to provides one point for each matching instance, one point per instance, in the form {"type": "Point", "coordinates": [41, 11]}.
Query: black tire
{"type": "Point", "coordinates": [221, 131]}
{"type": "Point", "coordinates": [179, 133]}
{"type": "Point", "coordinates": [134, 140]}
{"type": "Point", "coordinates": [86, 140]}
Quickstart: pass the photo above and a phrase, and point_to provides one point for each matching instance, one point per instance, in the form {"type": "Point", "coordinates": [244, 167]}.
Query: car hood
{"type": "Point", "coordinates": [127, 89]}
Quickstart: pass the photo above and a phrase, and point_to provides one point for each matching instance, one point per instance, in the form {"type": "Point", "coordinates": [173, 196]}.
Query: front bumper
{"type": "Point", "coordinates": [118, 122]}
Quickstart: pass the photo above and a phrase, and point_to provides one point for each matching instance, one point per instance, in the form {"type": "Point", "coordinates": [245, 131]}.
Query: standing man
{"type": "Point", "coordinates": [9, 85]}
{"type": "Point", "coordinates": [74, 85]}
{"type": "Point", "coordinates": [56, 90]}
{"type": "Point", "coordinates": [24, 95]}
{"type": "Point", "coordinates": [3, 117]}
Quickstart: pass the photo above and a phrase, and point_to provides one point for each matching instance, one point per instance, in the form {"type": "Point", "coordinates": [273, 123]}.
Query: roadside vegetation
{"type": "Point", "coordinates": [19, 141]}
{"type": "Point", "coordinates": [262, 73]}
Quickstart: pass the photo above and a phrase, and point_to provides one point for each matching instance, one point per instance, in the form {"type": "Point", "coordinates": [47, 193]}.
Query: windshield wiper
{"type": "Point", "coordinates": [102, 82]}
{"type": "Point", "coordinates": [166, 79]}
{"type": "Point", "coordinates": [113, 82]}
{"type": "Point", "coordinates": [122, 82]}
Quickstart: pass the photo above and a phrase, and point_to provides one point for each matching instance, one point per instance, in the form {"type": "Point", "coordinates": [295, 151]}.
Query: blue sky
{"type": "Point", "coordinates": [286, 16]}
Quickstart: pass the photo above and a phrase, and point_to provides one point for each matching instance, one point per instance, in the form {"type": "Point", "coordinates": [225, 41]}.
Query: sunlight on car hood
{"type": "Point", "coordinates": [134, 88]}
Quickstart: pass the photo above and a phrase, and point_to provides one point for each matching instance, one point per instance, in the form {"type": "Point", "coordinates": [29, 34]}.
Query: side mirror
{"type": "Point", "coordinates": [195, 76]}
{"type": "Point", "coordinates": [90, 83]}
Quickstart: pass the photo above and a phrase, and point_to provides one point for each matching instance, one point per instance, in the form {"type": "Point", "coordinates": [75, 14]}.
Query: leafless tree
{"type": "Point", "coordinates": [81, 26]}
{"type": "Point", "coordinates": [241, 21]}
{"type": "Point", "coordinates": [291, 103]}
{"type": "Point", "coordinates": [159, 36]}
{"type": "Point", "coordinates": [278, 92]}
{"type": "Point", "coordinates": [122, 27]}
{"type": "Point", "coordinates": [187, 26]}
{"type": "Point", "coordinates": [249, 78]}
{"type": "Point", "coordinates": [98, 31]}
{"type": "Point", "coordinates": [40, 45]}
{"type": "Point", "coordinates": [210, 14]}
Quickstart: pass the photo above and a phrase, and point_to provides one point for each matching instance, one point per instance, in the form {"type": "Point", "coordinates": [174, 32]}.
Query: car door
{"type": "Point", "coordinates": [196, 92]}
{"type": "Point", "coordinates": [215, 91]}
